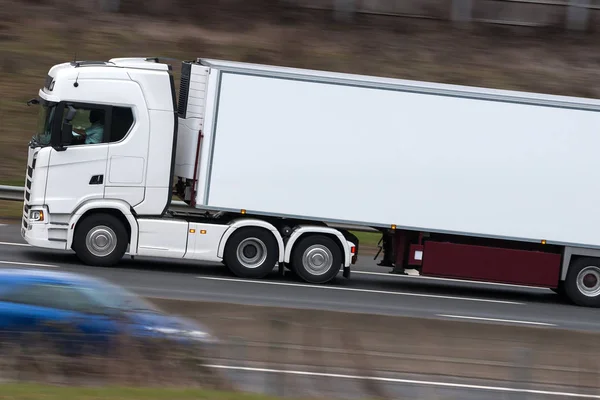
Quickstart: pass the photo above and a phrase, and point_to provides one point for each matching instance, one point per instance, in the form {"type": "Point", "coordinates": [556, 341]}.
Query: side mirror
{"type": "Point", "coordinates": [64, 139]}
{"type": "Point", "coordinates": [71, 113]}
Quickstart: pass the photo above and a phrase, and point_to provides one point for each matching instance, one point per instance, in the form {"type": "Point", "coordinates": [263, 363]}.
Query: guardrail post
{"type": "Point", "coordinates": [344, 10]}
{"type": "Point", "coordinates": [522, 377]}
{"type": "Point", "coordinates": [578, 15]}
{"type": "Point", "coordinates": [462, 10]}
{"type": "Point", "coordinates": [277, 382]}
{"type": "Point", "coordinates": [111, 6]}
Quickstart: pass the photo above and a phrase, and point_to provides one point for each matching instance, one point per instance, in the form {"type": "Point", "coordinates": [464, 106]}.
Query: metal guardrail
{"type": "Point", "coordinates": [11, 193]}
{"type": "Point", "coordinates": [572, 14]}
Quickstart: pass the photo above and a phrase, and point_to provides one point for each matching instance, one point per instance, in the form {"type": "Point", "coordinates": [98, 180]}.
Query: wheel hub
{"type": "Point", "coordinates": [317, 259]}
{"type": "Point", "coordinates": [252, 252]}
{"type": "Point", "coordinates": [101, 241]}
{"type": "Point", "coordinates": [588, 281]}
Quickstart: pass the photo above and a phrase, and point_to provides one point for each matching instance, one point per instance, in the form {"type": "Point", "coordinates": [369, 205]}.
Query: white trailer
{"type": "Point", "coordinates": [464, 182]}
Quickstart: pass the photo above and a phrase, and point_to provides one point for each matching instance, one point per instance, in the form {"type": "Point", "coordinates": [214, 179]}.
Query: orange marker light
{"type": "Point", "coordinates": [192, 231]}
{"type": "Point", "coordinates": [203, 232]}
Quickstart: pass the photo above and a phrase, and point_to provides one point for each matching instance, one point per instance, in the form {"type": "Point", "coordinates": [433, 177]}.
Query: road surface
{"type": "Point", "coordinates": [371, 289]}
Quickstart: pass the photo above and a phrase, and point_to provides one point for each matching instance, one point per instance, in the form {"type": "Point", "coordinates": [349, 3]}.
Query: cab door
{"type": "Point", "coordinates": [77, 171]}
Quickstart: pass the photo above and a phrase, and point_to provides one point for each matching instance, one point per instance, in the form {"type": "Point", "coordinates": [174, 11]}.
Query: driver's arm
{"type": "Point", "coordinates": [80, 131]}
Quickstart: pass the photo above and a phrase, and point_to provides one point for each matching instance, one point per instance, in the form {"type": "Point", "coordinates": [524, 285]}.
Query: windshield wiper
{"type": "Point", "coordinates": [33, 142]}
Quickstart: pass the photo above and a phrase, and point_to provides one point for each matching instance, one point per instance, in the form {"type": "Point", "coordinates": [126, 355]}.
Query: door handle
{"type": "Point", "coordinates": [97, 180]}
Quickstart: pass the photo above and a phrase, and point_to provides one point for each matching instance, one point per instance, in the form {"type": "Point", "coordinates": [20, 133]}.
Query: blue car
{"type": "Point", "coordinates": [41, 300]}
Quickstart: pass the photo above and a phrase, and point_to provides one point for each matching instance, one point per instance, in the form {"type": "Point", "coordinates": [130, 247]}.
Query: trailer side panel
{"type": "Point", "coordinates": [427, 162]}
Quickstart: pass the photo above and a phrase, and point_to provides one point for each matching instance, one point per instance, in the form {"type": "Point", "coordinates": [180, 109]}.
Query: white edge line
{"type": "Point", "coordinates": [14, 244]}
{"type": "Point", "coordinates": [360, 290]}
{"type": "Point", "coordinates": [495, 320]}
{"type": "Point", "coordinates": [407, 381]}
{"type": "Point", "coordinates": [29, 264]}
{"type": "Point", "coordinates": [433, 278]}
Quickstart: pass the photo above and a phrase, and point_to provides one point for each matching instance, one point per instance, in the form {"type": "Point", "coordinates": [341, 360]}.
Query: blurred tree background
{"type": "Point", "coordinates": [35, 34]}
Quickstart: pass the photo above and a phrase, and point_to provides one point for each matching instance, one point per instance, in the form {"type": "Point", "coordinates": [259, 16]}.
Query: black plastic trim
{"type": "Point", "coordinates": [48, 82]}
{"type": "Point", "coordinates": [77, 64]}
{"type": "Point", "coordinates": [184, 88]}
{"type": "Point", "coordinates": [174, 149]}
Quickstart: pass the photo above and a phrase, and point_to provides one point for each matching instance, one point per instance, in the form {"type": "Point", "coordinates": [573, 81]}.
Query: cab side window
{"type": "Point", "coordinates": [88, 124]}
{"type": "Point", "coordinates": [121, 123]}
{"type": "Point", "coordinates": [97, 124]}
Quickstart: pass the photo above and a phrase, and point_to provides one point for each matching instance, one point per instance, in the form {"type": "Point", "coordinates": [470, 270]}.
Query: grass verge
{"type": "Point", "coordinates": [48, 392]}
{"type": "Point", "coordinates": [368, 239]}
{"type": "Point", "coordinates": [12, 210]}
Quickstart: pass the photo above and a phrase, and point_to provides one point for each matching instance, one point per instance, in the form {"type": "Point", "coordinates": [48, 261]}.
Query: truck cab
{"type": "Point", "coordinates": [106, 132]}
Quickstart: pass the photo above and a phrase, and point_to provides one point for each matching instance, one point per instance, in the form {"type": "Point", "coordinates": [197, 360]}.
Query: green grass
{"type": "Point", "coordinates": [46, 392]}
{"type": "Point", "coordinates": [368, 239]}
{"type": "Point", "coordinates": [13, 181]}
{"type": "Point", "coordinates": [11, 209]}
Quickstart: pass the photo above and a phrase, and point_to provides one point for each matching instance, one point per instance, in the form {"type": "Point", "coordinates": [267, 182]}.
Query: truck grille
{"type": "Point", "coordinates": [26, 206]}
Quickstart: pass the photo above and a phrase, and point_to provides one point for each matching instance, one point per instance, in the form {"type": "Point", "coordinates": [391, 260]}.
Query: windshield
{"type": "Point", "coordinates": [44, 124]}
{"type": "Point", "coordinates": [115, 297]}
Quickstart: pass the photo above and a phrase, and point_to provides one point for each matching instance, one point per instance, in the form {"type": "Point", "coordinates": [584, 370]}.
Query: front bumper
{"type": "Point", "coordinates": [44, 235]}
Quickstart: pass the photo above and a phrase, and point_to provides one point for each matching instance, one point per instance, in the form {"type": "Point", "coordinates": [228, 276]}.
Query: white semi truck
{"type": "Point", "coordinates": [463, 182]}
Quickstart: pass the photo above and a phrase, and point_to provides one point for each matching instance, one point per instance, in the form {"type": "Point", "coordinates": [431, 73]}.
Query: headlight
{"type": "Point", "coordinates": [197, 335]}
{"type": "Point", "coordinates": [36, 215]}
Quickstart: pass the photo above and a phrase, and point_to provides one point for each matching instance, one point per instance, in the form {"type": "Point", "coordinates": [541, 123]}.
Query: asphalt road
{"type": "Point", "coordinates": [346, 385]}
{"type": "Point", "coordinates": [371, 289]}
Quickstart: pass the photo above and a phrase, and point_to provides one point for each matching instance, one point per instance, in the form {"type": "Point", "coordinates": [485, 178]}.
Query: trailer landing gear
{"type": "Point", "coordinates": [396, 250]}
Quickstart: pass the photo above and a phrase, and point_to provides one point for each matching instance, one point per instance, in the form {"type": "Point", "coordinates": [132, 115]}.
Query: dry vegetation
{"type": "Point", "coordinates": [64, 355]}
{"type": "Point", "coordinates": [35, 34]}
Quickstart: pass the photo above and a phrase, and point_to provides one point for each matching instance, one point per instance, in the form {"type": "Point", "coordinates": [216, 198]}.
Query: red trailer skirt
{"type": "Point", "coordinates": [491, 264]}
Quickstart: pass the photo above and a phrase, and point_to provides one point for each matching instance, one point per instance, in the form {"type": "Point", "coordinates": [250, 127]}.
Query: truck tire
{"type": "Point", "coordinates": [582, 285]}
{"type": "Point", "coordinates": [251, 252]}
{"type": "Point", "coordinates": [100, 240]}
{"type": "Point", "coordinates": [316, 259]}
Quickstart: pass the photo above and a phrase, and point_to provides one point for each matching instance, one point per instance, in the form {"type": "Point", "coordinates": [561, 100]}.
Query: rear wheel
{"type": "Point", "coordinates": [316, 259]}
{"type": "Point", "coordinates": [583, 282]}
{"type": "Point", "coordinates": [100, 240]}
{"type": "Point", "coordinates": [251, 252]}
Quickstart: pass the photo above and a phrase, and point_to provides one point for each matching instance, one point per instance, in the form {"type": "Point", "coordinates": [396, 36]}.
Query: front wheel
{"type": "Point", "coordinates": [100, 240]}
{"type": "Point", "coordinates": [583, 282]}
{"type": "Point", "coordinates": [317, 259]}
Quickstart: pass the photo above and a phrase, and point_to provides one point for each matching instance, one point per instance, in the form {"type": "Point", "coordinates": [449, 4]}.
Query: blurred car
{"type": "Point", "coordinates": [39, 300]}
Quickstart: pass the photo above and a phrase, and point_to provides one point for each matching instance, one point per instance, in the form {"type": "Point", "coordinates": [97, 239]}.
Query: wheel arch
{"type": "Point", "coordinates": [306, 230]}
{"type": "Point", "coordinates": [571, 254]}
{"type": "Point", "coordinates": [118, 209]}
{"type": "Point", "coordinates": [253, 223]}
